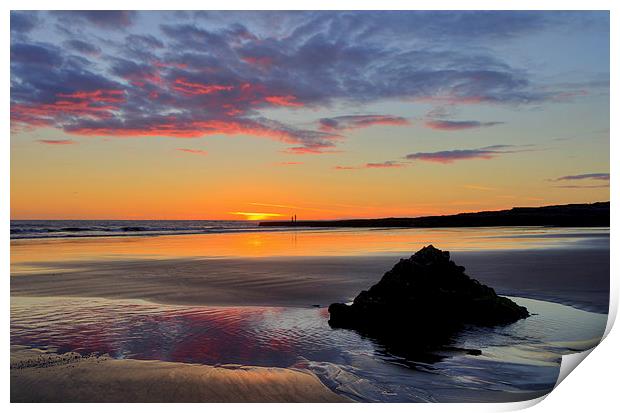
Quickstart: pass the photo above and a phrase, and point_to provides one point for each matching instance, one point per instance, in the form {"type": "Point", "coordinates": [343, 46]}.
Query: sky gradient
{"type": "Point", "coordinates": [260, 115]}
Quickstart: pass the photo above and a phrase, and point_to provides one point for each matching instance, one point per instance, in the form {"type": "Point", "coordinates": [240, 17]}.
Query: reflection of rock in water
{"type": "Point", "coordinates": [421, 303]}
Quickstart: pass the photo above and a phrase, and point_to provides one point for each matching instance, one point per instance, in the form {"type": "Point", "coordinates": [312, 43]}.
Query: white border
{"type": "Point", "coordinates": [592, 388]}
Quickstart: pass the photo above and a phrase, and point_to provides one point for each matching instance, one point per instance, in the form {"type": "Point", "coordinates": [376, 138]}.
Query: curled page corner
{"type": "Point", "coordinates": [611, 314]}
{"type": "Point", "coordinates": [569, 363]}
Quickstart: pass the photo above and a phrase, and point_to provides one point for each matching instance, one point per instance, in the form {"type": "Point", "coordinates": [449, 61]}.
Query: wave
{"type": "Point", "coordinates": [63, 229]}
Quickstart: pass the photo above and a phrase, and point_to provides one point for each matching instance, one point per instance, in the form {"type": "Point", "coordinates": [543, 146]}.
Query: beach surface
{"type": "Point", "coordinates": [171, 309]}
{"type": "Point", "coordinates": [37, 377]}
{"type": "Point", "coordinates": [577, 277]}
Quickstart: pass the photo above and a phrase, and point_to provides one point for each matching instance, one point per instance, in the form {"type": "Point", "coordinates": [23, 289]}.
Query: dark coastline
{"type": "Point", "coordinates": [571, 215]}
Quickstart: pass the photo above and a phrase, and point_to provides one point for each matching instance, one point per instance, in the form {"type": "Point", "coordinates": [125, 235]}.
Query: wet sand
{"type": "Point", "coordinates": [36, 377]}
{"type": "Point", "coordinates": [576, 277]}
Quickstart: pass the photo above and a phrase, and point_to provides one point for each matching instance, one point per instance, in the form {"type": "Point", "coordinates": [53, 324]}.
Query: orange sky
{"type": "Point", "coordinates": [135, 118]}
{"type": "Point", "coordinates": [135, 179]}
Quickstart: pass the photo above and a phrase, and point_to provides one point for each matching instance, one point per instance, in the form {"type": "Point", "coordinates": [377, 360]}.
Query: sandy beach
{"type": "Point", "coordinates": [194, 306]}
{"type": "Point", "coordinates": [71, 378]}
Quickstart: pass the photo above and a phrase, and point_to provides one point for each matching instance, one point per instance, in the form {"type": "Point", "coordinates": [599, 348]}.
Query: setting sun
{"type": "Point", "coordinates": [257, 216]}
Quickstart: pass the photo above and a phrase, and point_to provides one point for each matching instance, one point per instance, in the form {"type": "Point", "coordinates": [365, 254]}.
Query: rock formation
{"type": "Point", "coordinates": [426, 297]}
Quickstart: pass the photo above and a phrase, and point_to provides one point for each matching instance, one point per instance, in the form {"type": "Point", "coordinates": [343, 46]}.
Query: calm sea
{"type": "Point", "coordinates": [108, 228]}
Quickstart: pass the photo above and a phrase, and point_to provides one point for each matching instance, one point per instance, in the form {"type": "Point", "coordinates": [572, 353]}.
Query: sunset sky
{"type": "Point", "coordinates": [260, 115]}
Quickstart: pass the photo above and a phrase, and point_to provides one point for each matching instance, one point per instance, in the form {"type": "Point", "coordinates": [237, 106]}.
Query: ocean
{"type": "Point", "coordinates": [115, 228]}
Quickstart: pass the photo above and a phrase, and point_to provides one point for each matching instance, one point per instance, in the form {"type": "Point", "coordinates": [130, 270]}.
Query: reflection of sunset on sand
{"type": "Point", "coordinates": [291, 267]}
{"type": "Point", "coordinates": [288, 243]}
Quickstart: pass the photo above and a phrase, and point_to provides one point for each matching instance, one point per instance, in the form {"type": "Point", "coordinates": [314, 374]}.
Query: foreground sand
{"type": "Point", "coordinates": [70, 378]}
{"type": "Point", "coordinates": [37, 377]}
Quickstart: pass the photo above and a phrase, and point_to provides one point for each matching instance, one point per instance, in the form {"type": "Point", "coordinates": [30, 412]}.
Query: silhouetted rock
{"type": "Point", "coordinates": [427, 298]}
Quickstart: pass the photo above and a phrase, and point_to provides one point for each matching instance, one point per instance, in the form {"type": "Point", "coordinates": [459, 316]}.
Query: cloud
{"type": "Point", "coordinates": [57, 141]}
{"type": "Point", "coordinates": [445, 157]}
{"type": "Point", "coordinates": [442, 111]}
{"type": "Point", "coordinates": [288, 100]}
{"type": "Point", "coordinates": [83, 47]}
{"type": "Point", "coordinates": [360, 121]}
{"type": "Point", "coordinates": [210, 74]}
{"type": "Point", "coordinates": [104, 19]}
{"type": "Point", "coordinates": [304, 150]}
{"type": "Point", "coordinates": [137, 74]}
{"type": "Point", "coordinates": [179, 127]}
{"type": "Point", "coordinates": [386, 164]}
{"type": "Point", "coordinates": [38, 54]}
{"type": "Point", "coordinates": [454, 125]}
{"type": "Point", "coordinates": [88, 104]}
{"type": "Point", "coordinates": [23, 22]}
{"type": "Point", "coordinates": [442, 26]}
{"type": "Point", "coordinates": [189, 88]}
{"type": "Point", "coordinates": [143, 41]}
{"type": "Point", "coordinates": [193, 151]}
{"type": "Point", "coordinates": [581, 186]}
{"type": "Point", "coordinates": [374, 165]}
{"type": "Point", "coordinates": [593, 176]}
{"type": "Point", "coordinates": [193, 37]}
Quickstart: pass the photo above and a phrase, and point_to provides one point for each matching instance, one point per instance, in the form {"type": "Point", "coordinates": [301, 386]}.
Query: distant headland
{"type": "Point", "coordinates": [570, 215]}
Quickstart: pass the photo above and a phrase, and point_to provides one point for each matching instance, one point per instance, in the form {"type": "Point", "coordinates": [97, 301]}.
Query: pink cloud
{"type": "Point", "coordinates": [194, 88]}
{"type": "Point", "coordinates": [57, 141]}
{"type": "Point", "coordinates": [262, 62]}
{"type": "Point", "coordinates": [287, 100]}
{"type": "Point", "coordinates": [97, 104]}
{"type": "Point", "coordinates": [310, 150]}
{"type": "Point", "coordinates": [194, 151]}
{"type": "Point", "coordinates": [360, 121]}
